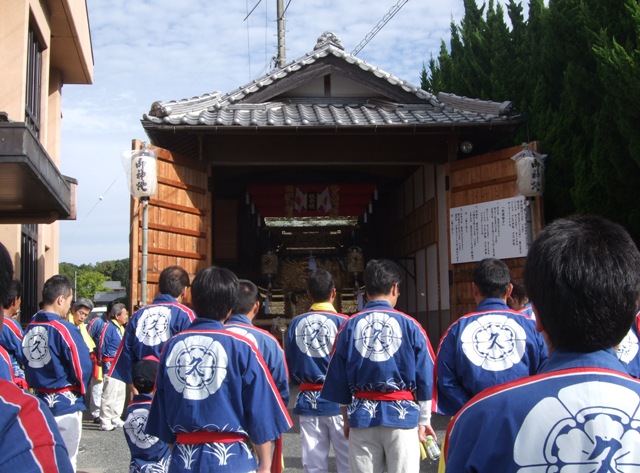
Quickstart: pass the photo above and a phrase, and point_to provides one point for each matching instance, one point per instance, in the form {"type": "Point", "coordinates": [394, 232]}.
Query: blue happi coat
{"type": "Point", "coordinates": [628, 350]}
{"type": "Point", "coordinates": [11, 340]}
{"type": "Point", "coordinates": [148, 453]}
{"type": "Point", "coordinates": [211, 379]}
{"type": "Point", "coordinates": [148, 331]}
{"type": "Point", "coordinates": [110, 338]}
{"type": "Point", "coordinates": [482, 349]}
{"type": "Point", "coordinates": [580, 414]}
{"type": "Point", "coordinates": [58, 364]}
{"type": "Point", "coordinates": [270, 350]}
{"type": "Point", "coordinates": [30, 440]}
{"type": "Point", "coordinates": [381, 350]}
{"type": "Point", "coordinates": [6, 369]}
{"type": "Point", "coordinates": [308, 347]}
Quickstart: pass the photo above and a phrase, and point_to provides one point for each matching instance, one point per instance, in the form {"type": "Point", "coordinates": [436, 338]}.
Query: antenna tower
{"type": "Point", "coordinates": [390, 14]}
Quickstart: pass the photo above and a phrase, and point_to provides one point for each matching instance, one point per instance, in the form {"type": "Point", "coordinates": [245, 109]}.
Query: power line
{"type": "Point", "coordinates": [100, 199]}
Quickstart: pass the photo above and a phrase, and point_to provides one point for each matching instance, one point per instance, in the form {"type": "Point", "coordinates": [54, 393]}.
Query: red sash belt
{"type": "Point", "coordinates": [95, 372]}
{"type": "Point", "coordinates": [206, 436]}
{"type": "Point", "coordinates": [58, 390]}
{"type": "Point", "coordinates": [107, 360]}
{"type": "Point", "coordinates": [378, 396]}
{"type": "Point", "coordinates": [310, 387]}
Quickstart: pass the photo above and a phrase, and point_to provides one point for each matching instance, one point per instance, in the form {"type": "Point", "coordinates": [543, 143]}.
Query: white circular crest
{"type": "Point", "coordinates": [153, 325]}
{"type": "Point", "coordinates": [628, 348]}
{"type": "Point", "coordinates": [315, 335]}
{"type": "Point", "coordinates": [196, 366]}
{"type": "Point", "coordinates": [494, 342]}
{"type": "Point", "coordinates": [36, 347]}
{"type": "Point", "coordinates": [377, 336]}
{"type": "Point", "coordinates": [134, 428]}
{"type": "Point", "coordinates": [567, 433]}
{"type": "Point", "coordinates": [244, 332]}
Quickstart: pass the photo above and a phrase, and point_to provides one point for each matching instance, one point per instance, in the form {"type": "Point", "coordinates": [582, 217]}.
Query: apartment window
{"type": "Point", "coordinates": [34, 83]}
{"type": "Point", "coordinates": [29, 272]}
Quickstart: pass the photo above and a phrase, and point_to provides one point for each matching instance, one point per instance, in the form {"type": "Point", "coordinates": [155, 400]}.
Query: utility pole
{"type": "Point", "coordinates": [281, 58]}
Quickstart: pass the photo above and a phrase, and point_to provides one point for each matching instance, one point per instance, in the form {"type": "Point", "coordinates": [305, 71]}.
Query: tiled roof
{"type": "Point", "coordinates": [233, 109]}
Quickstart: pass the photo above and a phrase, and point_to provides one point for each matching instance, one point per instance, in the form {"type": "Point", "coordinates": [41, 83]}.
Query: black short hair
{"type": "Point", "coordinates": [321, 285]}
{"type": "Point", "coordinates": [14, 292]}
{"type": "Point", "coordinates": [214, 292]}
{"type": "Point", "coordinates": [492, 277]}
{"type": "Point", "coordinates": [247, 297]}
{"type": "Point", "coordinates": [173, 281]}
{"type": "Point", "coordinates": [380, 275]}
{"type": "Point", "coordinates": [518, 295]}
{"type": "Point", "coordinates": [518, 291]}
{"type": "Point", "coordinates": [6, 275]}
{"type": "Point", "coordinates": [583, 277]}
{"type": "Point", "coordinates": [55, 287]}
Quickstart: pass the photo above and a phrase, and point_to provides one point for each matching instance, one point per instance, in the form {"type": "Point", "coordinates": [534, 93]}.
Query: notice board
{"type": "Point", "coordinates": [495, 229]}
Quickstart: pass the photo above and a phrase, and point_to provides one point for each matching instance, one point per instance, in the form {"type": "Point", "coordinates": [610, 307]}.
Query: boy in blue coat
{"type": "Point", "coordinates": [148, 453]}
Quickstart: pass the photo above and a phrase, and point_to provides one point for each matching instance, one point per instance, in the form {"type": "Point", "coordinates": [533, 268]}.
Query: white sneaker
{"type": "Point", "coordinates": [117, 423]}
{"type": "Point", "coordinates": [107, 427]}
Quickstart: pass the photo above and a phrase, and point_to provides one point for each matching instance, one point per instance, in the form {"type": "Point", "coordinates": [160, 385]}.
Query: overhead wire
{"type": "Point", "coordinates": [100, 199]}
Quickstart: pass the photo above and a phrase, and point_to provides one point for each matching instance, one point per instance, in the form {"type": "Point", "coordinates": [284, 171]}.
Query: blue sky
{"type": "Point", "coordinates": [149, 50]}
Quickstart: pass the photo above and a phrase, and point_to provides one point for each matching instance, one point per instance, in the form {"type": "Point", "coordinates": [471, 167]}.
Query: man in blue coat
{"type": "Point", "coordinates": [582, 411]}
{"type": "Point", "coordinates": [490, 346]}
{"type": "Point", "coordinates": [58, 364]}
{"type": "Point", "coordinates": [215, 400]}
{"type": "Point", "coordinates": [310, 340]}
{"type": "Point", "coordinates": [152, 326]}
{"type": "Point", "coordinates": [244, 311]}
{"type": "Point", "coordinates": [30, 440]}
{"type": "Point", "coordinates": [382, 361]}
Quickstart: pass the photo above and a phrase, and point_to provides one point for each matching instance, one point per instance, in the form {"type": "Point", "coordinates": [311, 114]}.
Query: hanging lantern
{"type": "Point", "coordinates": [530, 172]}
{"type": "Point", "coordinates": [269, 264]}
{"type": "Point", "coordinates": [144, 173]}
{"type": "Point", "coordinates": [355, 260]}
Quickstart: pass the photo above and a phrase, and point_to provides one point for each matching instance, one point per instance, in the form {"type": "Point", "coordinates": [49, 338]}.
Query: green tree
{"type": "Point", "coordinates": [90, 282]}
{"type": "Point", "coordinates": [116, 270]}
{"type": "Point", "coordinates": [574, 68]}
{"type": "Point", "coordinates": [69, 270]}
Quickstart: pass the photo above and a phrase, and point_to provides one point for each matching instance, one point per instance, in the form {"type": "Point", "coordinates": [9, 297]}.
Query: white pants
{"type": "Point", "coordinates": [70, 427]}
{"type": "Point", "coordinates": [113, 397]}
{"type": "Point", "coordinates": [317, 433]}
{"type": "Point", "coordinates": [96, 396]}
{"type": "Point", "coordinates": [379, 449]}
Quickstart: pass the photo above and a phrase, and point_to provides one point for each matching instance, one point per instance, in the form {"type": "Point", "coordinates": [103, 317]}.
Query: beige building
{"type": "Point", "coordinates": [44, 44]}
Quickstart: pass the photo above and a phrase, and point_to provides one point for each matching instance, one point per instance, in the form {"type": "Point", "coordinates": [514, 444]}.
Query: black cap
{"type": "Point", "coordinates": [146, 369]}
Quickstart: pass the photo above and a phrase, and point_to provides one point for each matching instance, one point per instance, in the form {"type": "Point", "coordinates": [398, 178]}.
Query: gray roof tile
{"type": "Point", "coordinates": [216, 109]}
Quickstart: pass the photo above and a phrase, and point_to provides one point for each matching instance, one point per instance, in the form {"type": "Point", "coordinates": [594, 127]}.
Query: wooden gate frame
{"type": "Point", "coordinates": [483, 178]}
{"type": "Point", "coordinates": [179, 222]}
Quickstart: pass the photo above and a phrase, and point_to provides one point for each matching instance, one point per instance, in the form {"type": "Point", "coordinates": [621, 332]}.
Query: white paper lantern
{"type": "Point", "coordinates": [530, 173]}
{"type": "Point", "coordinates": [144, 173]}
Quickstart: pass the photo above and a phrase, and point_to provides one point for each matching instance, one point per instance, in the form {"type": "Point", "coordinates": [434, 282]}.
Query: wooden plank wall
{"type": "Point", "coordinates": [179, 222]}
{"type": "Point", "coordinates": [479, 179]}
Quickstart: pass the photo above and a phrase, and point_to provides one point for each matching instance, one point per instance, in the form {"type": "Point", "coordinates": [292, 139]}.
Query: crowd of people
{"type": "Point", "coordinates": [542, 376]}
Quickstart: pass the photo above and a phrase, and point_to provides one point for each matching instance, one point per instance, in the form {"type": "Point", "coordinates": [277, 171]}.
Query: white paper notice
{"type": "Point", "coordinates": [496, 229]}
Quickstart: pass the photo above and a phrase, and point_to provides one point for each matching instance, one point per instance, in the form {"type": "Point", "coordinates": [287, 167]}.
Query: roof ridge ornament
{"type": "Point", "coordinates": [326, 38]}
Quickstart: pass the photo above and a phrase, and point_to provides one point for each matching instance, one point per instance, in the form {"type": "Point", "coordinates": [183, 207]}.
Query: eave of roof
{"type": "Point", "coordinates": [235, 110]}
